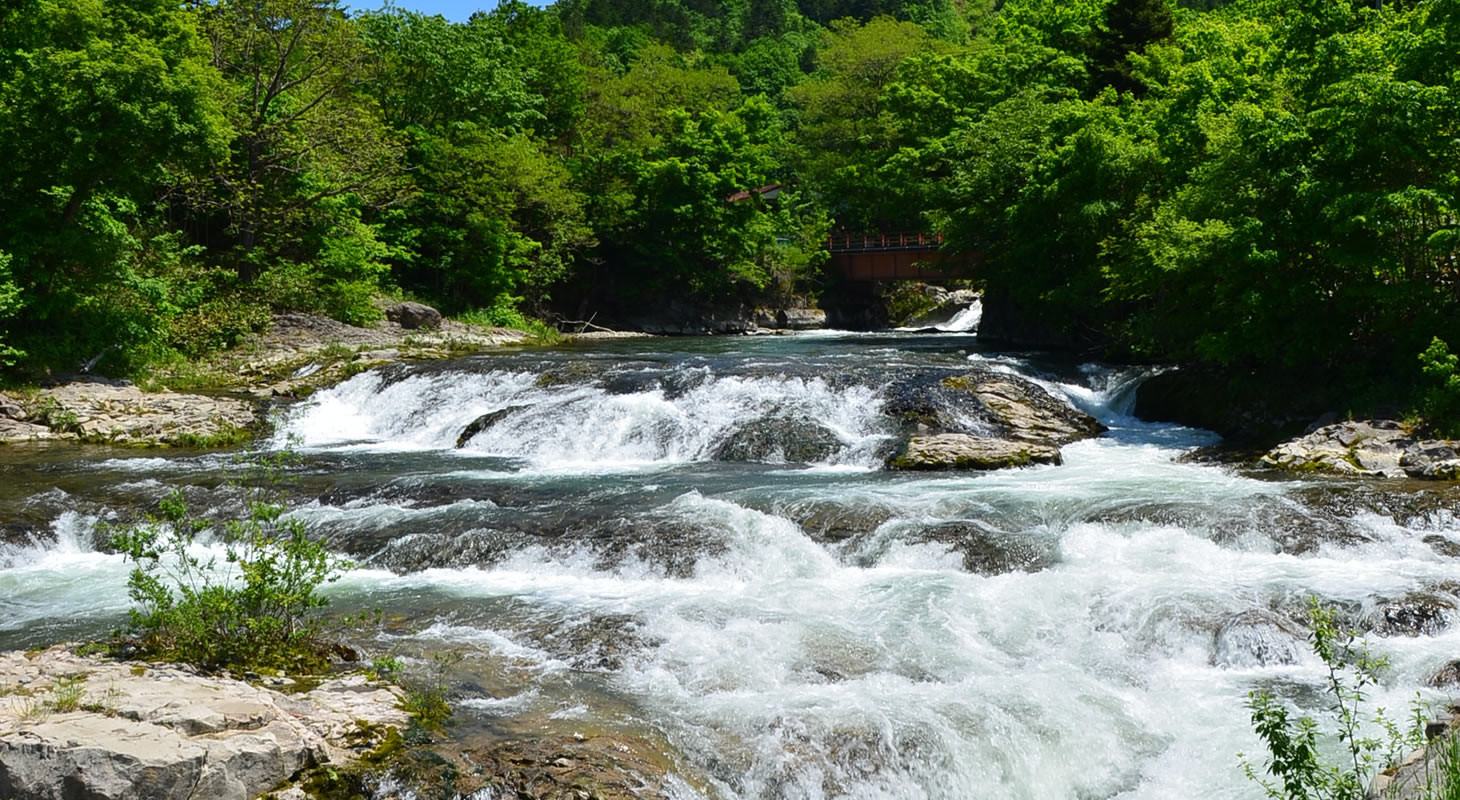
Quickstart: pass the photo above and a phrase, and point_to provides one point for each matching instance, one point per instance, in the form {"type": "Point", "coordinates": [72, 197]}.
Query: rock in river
{"type": "Point", "coordinates": [961, 451]}
{"type": "Point", "coordinates": [793, 438]}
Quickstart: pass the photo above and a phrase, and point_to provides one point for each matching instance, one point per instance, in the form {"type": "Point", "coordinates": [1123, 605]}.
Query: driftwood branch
{"type": "Point", "coordinates": [586, 324]}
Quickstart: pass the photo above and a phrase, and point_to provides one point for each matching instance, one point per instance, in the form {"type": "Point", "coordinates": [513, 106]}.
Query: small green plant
{"type": "Point", "coordinates": [1295, 768]}
{"type": "Point", "coordinates": [425, 697]}
{"type": "Point", "coordinates": [66, 694]}
{"type": "Point", "coordinates": [249, 603]}
{"type": "Point", "coordinates": [1440, 404]}
{"type": "Point", "coordinates": [386, 668]}
{"type": "Point", "coordinates": [49, 412]}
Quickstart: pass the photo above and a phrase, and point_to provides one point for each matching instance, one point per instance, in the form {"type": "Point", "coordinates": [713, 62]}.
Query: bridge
{"type": "Point", "coordinates": [900, 256]}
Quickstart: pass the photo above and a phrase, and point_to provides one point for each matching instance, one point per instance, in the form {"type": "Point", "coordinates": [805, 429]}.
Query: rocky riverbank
{"type": "Point", "coordinates": [81, 726]}
{"type": "Point", "coordinates": [294, 355]}
{"type": "Point", "coordinates": [1368, 449]}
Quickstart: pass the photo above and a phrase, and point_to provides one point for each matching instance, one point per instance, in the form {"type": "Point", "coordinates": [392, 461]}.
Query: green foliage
{"type": "Point", "coordinates": [240, 594]}
{"type": "Point", "coordinates": [1295, 768]}
{"type": "Point", "coordinates": [1440, 403]}
{"type": "Point", "coordinates": [426, 695]}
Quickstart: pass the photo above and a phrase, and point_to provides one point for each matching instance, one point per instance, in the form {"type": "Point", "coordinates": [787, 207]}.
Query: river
{"type": "Point", "coordinates": [795, 630]}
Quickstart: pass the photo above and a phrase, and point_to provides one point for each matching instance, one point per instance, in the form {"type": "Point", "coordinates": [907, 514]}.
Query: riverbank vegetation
{"type": "Point", "coordinates": [1266, 187]}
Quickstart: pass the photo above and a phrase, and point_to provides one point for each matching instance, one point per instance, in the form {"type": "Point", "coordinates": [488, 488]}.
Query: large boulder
{"type": "Point", "coordinates": [797, 439]}
{"type": "Point", "coordinates": [103, 730]}
{"type": "Point", "coordinates": [801, 319]}
{"type": "Point", "coordinates": [945, 451]}
{"type": "Point", "coordinates": [413, 316]}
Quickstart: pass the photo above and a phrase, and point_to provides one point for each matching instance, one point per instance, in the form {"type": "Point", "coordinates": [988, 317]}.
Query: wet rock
{"type": "Point", "coordinates": [420, 551]}
{"type": "Point", "coordinates": [984, 408]}
{"type": "Point", "coordinates": [413, 316]}
{"type": "Point", "coordinates": [158, 731]}
{"type": "Point", "coordinates": [1257, 639]}
{"type": "Point", "coordinates": [597, 765]}
{"type": "Point", "coordinates": [987, 551]}
{"type": "Point", "coordinates": [827, 522]}
{"type": "Point", "coordinates": [1445, 547]}
{"type": "Point", "coordinates": [571, 373]}
{"type": "Point", "coordinates": [798, 439]}
{"type": "Point", "coordinates": [1418, 614]}
{"type": "Point", "coordinates": [599, 643]}
{"type": "Point", "coordinates": [670, 544]}
{"type": "Point", "coordinates": [957, 451]}
{"type": "Point", "coordinates": [483, 423]}
{"type": "Point", "coordinates": [1448, 675]}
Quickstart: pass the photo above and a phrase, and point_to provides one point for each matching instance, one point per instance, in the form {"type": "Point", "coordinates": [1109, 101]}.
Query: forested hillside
{"type": "Point", "coordinates": [1265, 186]}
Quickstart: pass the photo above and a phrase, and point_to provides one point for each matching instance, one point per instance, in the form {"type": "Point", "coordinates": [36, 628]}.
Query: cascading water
{"type": "Point", "coordinates": [643, 534]}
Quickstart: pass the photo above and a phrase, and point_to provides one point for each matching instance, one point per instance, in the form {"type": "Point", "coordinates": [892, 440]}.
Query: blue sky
{"type": "Point", "coordinates": [455, 10]}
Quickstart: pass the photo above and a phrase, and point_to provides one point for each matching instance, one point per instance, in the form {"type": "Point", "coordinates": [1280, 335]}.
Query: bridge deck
{"type": "Point", "coordinates": [900, 256]}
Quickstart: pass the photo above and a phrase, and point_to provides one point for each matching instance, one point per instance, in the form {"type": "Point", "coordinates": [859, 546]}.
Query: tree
{"type": "Point", "coordinates": [310, 150]}
{"type": "Point", "coordinates": [101, 103]}
{"type": "Point", "coordinates": [1130, 26]}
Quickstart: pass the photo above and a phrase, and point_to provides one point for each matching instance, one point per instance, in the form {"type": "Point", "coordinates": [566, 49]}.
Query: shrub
{"type": "Point", "coordinates": [251, 605]}
{"type": "Point", "coordinates": [1295, 768]}
{"type": "Point", "coordinates": [1440, 404]}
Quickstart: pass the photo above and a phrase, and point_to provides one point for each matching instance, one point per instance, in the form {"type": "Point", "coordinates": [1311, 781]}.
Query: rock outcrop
{"type": "Point", "coordinates": [74, 726]}
{"type": "Point", "coordinates": [981, 420]}
{"type": "Point", "coordinates": [1368, 448]}
{"type": "Point", "coordinates": [116, 412]}
{"type": "Point", "coordinates": [960, 451]}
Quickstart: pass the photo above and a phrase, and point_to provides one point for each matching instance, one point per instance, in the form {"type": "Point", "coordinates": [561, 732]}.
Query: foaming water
{"type": "Point", "coordinates": [819, 628]}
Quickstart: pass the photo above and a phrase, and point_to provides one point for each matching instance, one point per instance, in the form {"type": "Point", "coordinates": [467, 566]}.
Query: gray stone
{"type": "Point", "coordinates": [946, 451]}
{"type": "Point", "coordinates": [1368, 448]}
{"type": "Point", "coordinates": [801, 319]}
{"type": "Point", "coordinates": [1372, 448]}
{"type": "Point", "coordinates": [159, 732]}
{"type": "Point", "coordinates": [411, 316]}
{"type": "Point", "coordinates": [797, 439]}
{"type": "Point", "coordinates": [103, 411]}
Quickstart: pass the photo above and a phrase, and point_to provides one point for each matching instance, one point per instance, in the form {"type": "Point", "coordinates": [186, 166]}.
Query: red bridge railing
{"type": "Point", "coordinates": [867, 242]}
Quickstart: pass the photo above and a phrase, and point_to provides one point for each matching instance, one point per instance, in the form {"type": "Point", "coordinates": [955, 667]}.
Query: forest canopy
{"type": "Point", "coordinates": [1259, 186]}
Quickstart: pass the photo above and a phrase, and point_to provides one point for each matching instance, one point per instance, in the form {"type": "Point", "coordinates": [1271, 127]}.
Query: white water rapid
{"type": "Point", "coordinates": [815, 627]}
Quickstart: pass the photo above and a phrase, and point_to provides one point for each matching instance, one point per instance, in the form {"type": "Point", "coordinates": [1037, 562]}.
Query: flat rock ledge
{"type": "Point", "coordinates": [113, 412]}
{"type": "Point", "coordinates": [82, 727]}
{"type": "Point", "coordinates": [961, 451]}
{"type": "Point", "coordinates": [1370, 449]}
